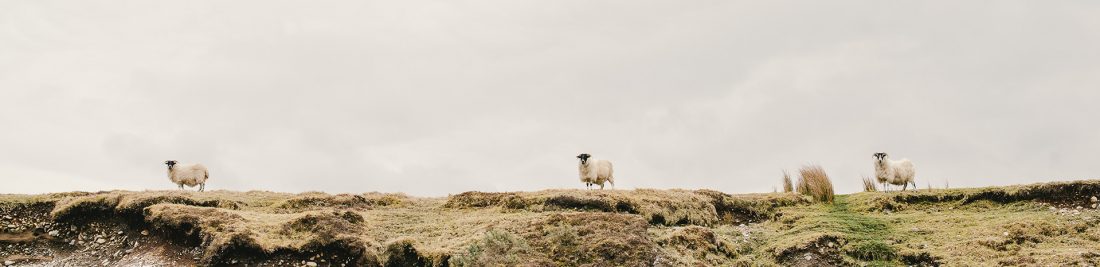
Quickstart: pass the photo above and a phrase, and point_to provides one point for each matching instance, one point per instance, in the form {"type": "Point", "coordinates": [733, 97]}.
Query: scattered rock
{"type": "Point", "coordinates": [1094, 200]}
{"type": "Point", "coordinates": [311, 264]}
{"type": "Point", "coordinates": [9, 263]}
{"type": "Point", "coordinates": [119, 232]}
{"type": "Point", "coordinates": [144, 232]}
{"type": "Point", "coordinates": [1006, 233]}
{"type": "Point", "coordinates": [101, 241]}
{"type": "Point", "coordinates": [54, 233]}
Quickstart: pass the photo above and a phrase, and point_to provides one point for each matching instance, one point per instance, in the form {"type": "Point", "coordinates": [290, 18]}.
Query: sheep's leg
{"type": "Point", "coordinates": [601, 186]}
{"type": "Point", "coordinates": [202, 186]}
{"type": "Point", "coordinates": [181, 186]}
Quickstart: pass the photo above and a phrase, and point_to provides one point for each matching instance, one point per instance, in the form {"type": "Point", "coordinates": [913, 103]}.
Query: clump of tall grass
{"type": "Point", "coordinates": [815, 183]}
{"type": "Point", "coordinates": [869, 185]}
{"type": "Point", "coordinates": [787, 185]}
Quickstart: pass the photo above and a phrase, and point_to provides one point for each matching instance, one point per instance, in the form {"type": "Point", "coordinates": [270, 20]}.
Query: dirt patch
{"type": "Point", "coordinates": [821, 252]}
{"type": "Point", "coordinates": [403, 252]}
{"type": "Point", "coordinates": [921, 259]}
{"type": "Point", "coordinates": [22, 237]}
{"type": "Point", "coordinates": [740, 209]}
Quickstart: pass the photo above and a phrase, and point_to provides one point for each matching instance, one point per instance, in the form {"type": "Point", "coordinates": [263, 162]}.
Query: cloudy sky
{"type": "Point", "coordinates": [439, 97]}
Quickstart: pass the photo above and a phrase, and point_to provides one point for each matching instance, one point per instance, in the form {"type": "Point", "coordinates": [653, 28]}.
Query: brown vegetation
{"type": "Point", "coordinates": [814, 182]}
{"type": "Point", "coordinates": [869, 185]}
{"type": "Point", "coordinates": [788, 186]}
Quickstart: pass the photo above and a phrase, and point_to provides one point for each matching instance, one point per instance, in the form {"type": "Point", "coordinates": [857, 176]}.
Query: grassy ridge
{"type": "Point", "coordinates": [1018, 225]}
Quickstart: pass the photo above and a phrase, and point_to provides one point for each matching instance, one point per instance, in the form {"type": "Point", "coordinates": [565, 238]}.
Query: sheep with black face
{"type": "Point", "coordinates": [895, 172]}
{"type": "Point", "coordinates": [188, 174]}
{"type": "Point", "coordinates": [595, 171]}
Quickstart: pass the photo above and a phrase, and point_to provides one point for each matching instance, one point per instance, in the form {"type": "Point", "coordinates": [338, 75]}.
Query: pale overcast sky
{"type": "Point", "coordinates": [439, 97]}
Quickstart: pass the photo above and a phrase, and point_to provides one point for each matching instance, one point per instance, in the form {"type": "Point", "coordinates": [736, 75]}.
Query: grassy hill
{"type": "Point", "coordinates": [1040, 224]}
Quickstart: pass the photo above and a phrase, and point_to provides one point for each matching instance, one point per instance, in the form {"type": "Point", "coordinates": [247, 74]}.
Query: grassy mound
{"type": "Point", "coordinates": [662, 207]}
{"type": "Point", "coordinates": [1075, 193]}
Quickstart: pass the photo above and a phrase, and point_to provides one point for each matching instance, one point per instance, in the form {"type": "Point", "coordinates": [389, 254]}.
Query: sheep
{"type": "Point", "coordinates": [895, 172]}
{"type": "Point", "coordinates": [595, 171]}
{"type": "Point", "coordinates": [188, 174]}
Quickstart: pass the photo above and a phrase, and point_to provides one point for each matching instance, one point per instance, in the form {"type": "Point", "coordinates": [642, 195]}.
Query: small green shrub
{"type": "Point", "coordinates": [496, 248]}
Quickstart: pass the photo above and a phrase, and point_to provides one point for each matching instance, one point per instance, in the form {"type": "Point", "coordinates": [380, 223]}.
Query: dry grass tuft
{"type": "Point", "coordinates": [815, 183]}
{"type": "Point", "coordinates": [788, 186]}
{"type": "Point", "coordinates": [869, 185]}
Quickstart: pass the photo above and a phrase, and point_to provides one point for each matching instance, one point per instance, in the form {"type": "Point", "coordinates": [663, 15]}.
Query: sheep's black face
{"type": "Point", "coordinates": [170, 163]}
{"type": "Point", "coordinates": [880, 156]}
{"type": "Point", "coordinates": [584, 158]}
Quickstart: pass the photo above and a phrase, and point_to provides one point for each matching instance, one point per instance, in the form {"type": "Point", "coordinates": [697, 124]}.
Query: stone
{"type": "Point", "coordinates": [8, 262]}
{"type": "Point", "coordinates": [101, 240]}
{"type": "Point", "coordinates": [144, 232]}
{"type": "Point", "coordinates": [54, 233]}
{"type": "Point", "coordinates": [311, 264]}
{"type": "Point", "coordinates": [1094, 200]}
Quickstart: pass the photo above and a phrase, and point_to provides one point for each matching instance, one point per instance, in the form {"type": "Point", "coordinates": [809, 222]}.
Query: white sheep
{"type": "Point", "coordinates": [895, 172]}
{"type": "Point", "coordinates": [595, 171]}
{"type": "Point", "coordinates": [188, 174]}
